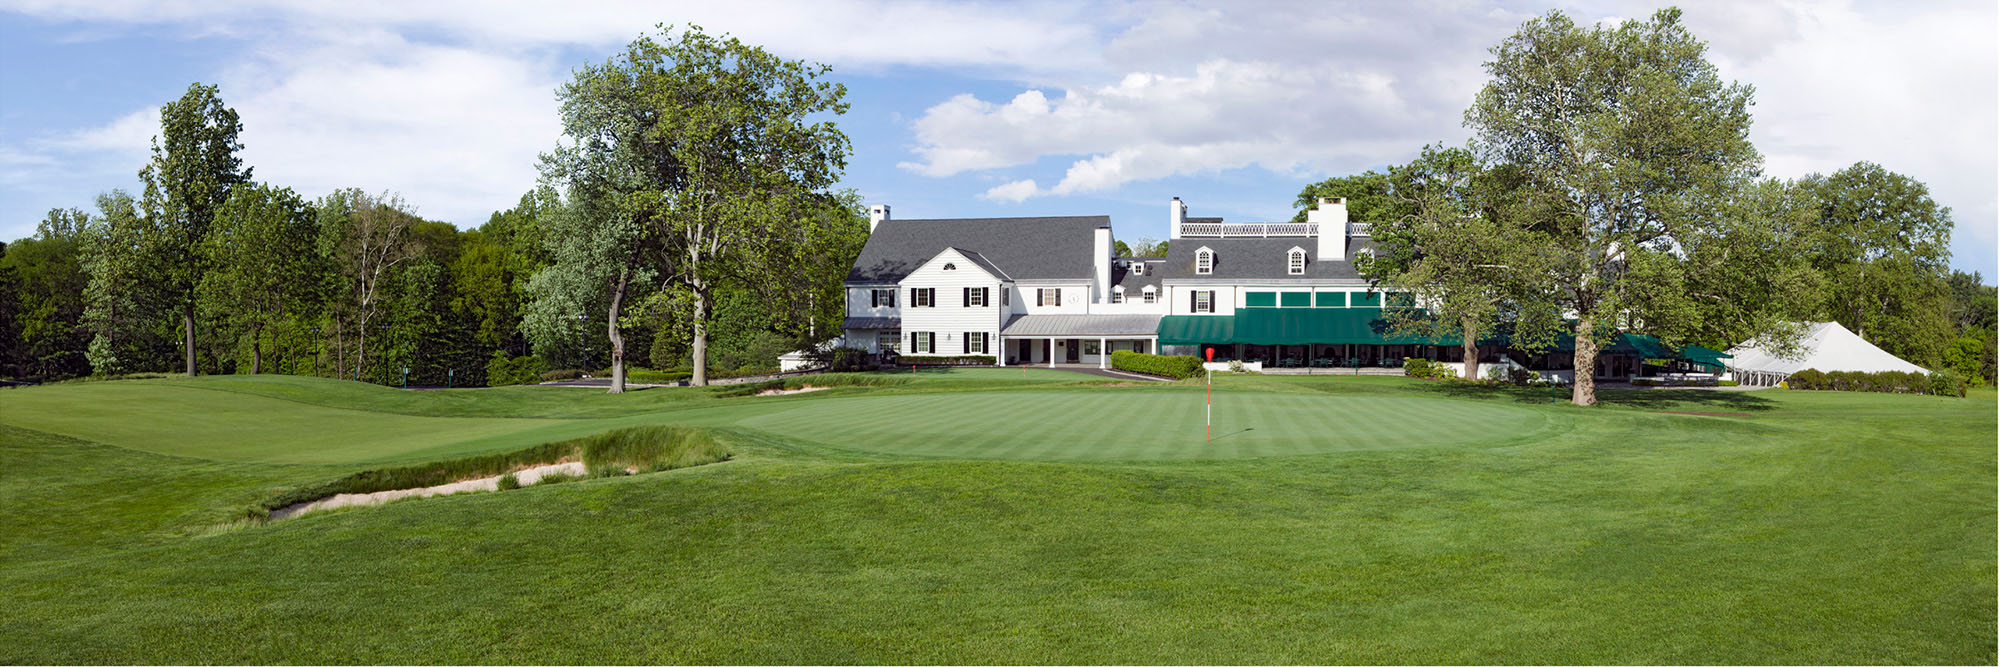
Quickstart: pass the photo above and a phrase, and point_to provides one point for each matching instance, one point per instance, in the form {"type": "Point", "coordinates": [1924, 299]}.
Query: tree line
{"type": "Point", "coordinates": [1610, 186]}
{"type": "Point", "coordinates": [686, 221]}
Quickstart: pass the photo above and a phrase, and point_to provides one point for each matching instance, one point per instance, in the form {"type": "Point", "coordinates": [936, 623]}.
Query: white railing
{"type": "Point", "coordinates": [1250, 229]}
{"type": "Point", "coordinates": [1357, 229]}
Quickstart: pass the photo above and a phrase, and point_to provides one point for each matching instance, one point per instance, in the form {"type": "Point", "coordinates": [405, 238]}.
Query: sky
{"type": "Point", "coordinates": [960, 109]}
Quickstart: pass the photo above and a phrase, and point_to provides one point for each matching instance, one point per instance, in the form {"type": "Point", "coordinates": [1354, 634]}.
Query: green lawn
{"type": "Point", "coordinates": [1008, 517]}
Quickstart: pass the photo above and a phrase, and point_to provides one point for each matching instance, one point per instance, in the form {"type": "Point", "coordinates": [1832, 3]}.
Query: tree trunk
{"type": "Point", "coordinates": [256, 351]}
{"type": "Point", "coordinates": [1470, 345]}
{"type": "Point", "coordinates": [339, 350]}
{"type": "Point", "coordinates": [361, 349]}
{"type": "Point", "coordinates": [1585, 392]}
{"type": "Point", "coordinates": [187, 325]}
{"type": "Point", "coordinates": [617, 339]}
{"type": "Point", "coordinates": [700, 352]}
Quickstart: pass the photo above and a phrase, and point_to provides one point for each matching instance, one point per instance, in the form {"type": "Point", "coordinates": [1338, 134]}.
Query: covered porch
{"type": "Point", "coordinates": [1053, 340]}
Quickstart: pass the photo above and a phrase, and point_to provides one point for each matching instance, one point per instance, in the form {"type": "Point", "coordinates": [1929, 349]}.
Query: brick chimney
{"type": "Point", "coordinates": [1331, 216]}
{"type": "Point", "coordinates": [876, 214]}
{"type": "Point", "coordinates": [1176, 214]}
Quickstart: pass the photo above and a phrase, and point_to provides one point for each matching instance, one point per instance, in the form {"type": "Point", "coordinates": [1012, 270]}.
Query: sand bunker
{"type": "Point", "coordinates": [526, 477]}
{"type": "Point", "coordinates": [781, 392]}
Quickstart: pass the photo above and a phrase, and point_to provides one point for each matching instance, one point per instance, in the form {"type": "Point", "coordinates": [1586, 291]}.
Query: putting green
{"type": "Point", "coordinates": [1139, 425]}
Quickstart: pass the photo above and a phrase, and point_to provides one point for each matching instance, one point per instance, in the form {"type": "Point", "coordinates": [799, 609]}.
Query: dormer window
{"type": "Point", "coordinates": [1152, 295]}
{"type": "Point", "coordinates": [1204, 262]}
{"type": "Point", "coordinates": [1118, 294]}
{"type": "Point", "coordinates": [1138, 268]}
{"type": "Point", "coordinates": [1295, 262]}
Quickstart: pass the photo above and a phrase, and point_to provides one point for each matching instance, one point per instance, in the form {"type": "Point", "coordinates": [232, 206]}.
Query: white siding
{"type": "Point", "coordinates": [1075, 298]}
{"type": "Point", "coordinates": [858, 303]}
{"type": "Point", "coordinates": [949, 318]}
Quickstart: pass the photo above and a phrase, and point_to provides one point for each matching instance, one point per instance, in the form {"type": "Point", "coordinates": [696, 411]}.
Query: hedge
{"type": "Point", "coordinates": [1182, 367]}
{"type": "Point", "coordinates": [1419, 367]}
{"type": "Point", "coordinates": [1942, 383]}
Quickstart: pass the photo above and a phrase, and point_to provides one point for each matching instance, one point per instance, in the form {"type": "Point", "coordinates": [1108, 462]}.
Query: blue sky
{"type": "Point", "coordinates": [959, 109]}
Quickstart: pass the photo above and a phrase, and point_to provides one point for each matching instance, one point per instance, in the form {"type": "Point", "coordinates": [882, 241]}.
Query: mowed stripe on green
{"type": "Point", "coordinates": [1139, 425]}
{"type": "Point", "coordinates": [223, 426]}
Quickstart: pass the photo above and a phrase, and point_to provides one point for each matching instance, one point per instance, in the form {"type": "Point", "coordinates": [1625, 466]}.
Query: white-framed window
{"type": "Point", "coordinates": [1204, 261]}
{"type": "Point", "coordinates": [1004, 295]}
{"type": "Point", "coordinates": [976, 342]}
{"type": "Point", "coordinates": [1048, 296]}
{"type": "Point", "coordinates": [923, 342]}
{"type": "Point", "coordinates": [1090, 347]}
{"type": "Point", "coordinates": [1295, 262]}
{"type": "Point", "coordinates": [889, 341]}
{"type": "Point", "coordinates": [975, 297]}
{"type": "Point", "coordinates": [1138, 268]}
{"type": "Point", "coordinates": [882, 298]}
{"type": "Point", "coordinates": [1152, 295]}
{"type": "Point", "coordinates": [1118, 294]}
{"type": "Point", "coordinates": [1204, 301]}
{"type": "Point", "coordinates": [923, 297]}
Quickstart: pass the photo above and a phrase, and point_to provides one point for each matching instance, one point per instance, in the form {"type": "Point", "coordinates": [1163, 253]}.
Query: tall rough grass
{"type": "Point", "coordinates": [820, 380]}
{"type": "Point", "coordinates": [630, 450]}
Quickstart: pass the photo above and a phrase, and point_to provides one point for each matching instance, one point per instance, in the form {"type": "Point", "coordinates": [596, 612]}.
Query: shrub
{"type": "Point", "coordinates": [1808, 380]}
{"type": "Point", "coordinates": [941, 360]}
{"type": "Point", "coordinates": [1946, 382]}
{"type": "Point", "coordinates": [1726, 383]}
{"type": "Point", "coordinates": [1418, 367]}
{"type": "Point", "coordinates": [502, 371]}
{"type": "Point", "coordinates": [1497, 374]}
{"type": "Point", "coordinates": [848, 360]}
{"type": "Point", "coordinates": [1236, 366]}
{"type": "Point", "coordinates": [1180, 367]}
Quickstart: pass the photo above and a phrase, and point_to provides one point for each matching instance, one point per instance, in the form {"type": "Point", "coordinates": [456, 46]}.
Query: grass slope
{"type": "Point", "coordinates": [1825, 528]}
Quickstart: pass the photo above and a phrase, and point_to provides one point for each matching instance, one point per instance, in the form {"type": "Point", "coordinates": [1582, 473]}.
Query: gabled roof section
{"type": "Point", "coordinates": [1257, 259]}
{"type": "Point", "coordinates": [1018, 248]}
{"type": "Point", "coordinates": [1122, 276]}
{"type": "Point", "coordinates": [970, 259]}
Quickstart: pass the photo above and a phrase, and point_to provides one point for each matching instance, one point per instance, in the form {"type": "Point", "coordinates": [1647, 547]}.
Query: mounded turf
{"type": "Point", "coordinates": [1824, 528]}
{"type": "Point", "coordinates": [1140, 425]}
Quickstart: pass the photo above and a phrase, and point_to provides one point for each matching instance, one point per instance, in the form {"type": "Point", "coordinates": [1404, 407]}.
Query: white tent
{"type": "Point", "coordinates": [1827, 347]}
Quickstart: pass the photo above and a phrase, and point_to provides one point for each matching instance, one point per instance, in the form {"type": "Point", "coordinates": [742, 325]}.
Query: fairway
{"type": "Point", "coordinates": [1140, 424]}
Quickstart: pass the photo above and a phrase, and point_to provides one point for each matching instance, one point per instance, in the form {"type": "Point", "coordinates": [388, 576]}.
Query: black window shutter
{"type": "Point", "coordinates": [965, 343]}
{"type": "Point", "coordinates": [875, 298]}
{"type": "Point", "coordinates": [1058, 296]}
{"type": "Point", "coordinates": [1194, 301]}
{"type": "Point", "coordinates": [965, 299]}
{"type": "Point", "coordinates": [982, 296]}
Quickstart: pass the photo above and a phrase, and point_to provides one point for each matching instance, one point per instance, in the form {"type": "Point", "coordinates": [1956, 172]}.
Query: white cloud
{"type": "Point", "coordinates": [1014, 192]}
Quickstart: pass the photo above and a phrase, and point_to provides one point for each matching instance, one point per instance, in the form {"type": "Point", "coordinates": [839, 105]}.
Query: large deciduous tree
{"type": "Point", "coordinates": [365, 237]}
{"type": "Point", "coordinates": [1884, 246]}
{"type": "Point", "coordinates": [193, 171]}
{"type": "Point", "coordinates": [262, 268]}
{"type": "Point", "coordinates": [1628, 142]}
{"type": "Point", "coordinates": [48, 275]}
{"type": "Point", "coordinates": [1466, 264]}
{"type": "Point", "coordinates": [692, 158]}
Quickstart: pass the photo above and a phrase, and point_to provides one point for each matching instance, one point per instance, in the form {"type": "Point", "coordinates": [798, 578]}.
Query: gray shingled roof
{"type": "Point", "coordinates": [1024, 248]}
{"type": "Point", "coordinates": [1135, 283]}
{"type": "Point", "coordinates": [1082, 325]}
{"type": "Point", "coordinates": [1258, 259]}
{"type": "Point", "coordinates": [872, 323]}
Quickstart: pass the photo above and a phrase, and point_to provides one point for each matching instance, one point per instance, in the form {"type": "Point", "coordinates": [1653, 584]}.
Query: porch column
{"type": "Point", "coordinates": [1052, 352]}
{"type": "Point", "coordinates": [1000, 353]}
{"type": "Point", "coordinates": [1103, 353]}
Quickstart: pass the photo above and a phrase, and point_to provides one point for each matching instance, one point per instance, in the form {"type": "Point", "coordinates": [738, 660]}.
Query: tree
{"type": "Point", "coordinates": [365, 237]}
{"type": "Point", "coordinates": [1972, 301]}
{"type": "Point", "coordinates": [193, 171]}
{"type": "Point", "coordinates": [1465, 266]}
{"type": "Point", "coordinates": [1627, 142]}
{"type": "Point", "coordinates": [50, 283]}
{"type": "Point", "coordinates": [262, 270]}
{"type": "Point", "coordinates": [1369, 197]}
{"type": "Point", "coordinates": [1119, 249]}
{"type": "Point", "coordinates": [128, 306]}
{"type": "Point", "coordinates": [1884, 246]}
{"type": "Point", "coordinates": [690, 154]}
{"type": "Point", "coordinates": [1148, 246]}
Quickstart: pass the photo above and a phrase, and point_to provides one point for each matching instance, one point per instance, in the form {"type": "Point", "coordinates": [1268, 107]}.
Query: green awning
{"type": "Point", "coordinates": [1196, 329]}
{"type": "Point", "coordinates": [1285, 326]}
{"type": "Point", "coordinates": [1702, 355]}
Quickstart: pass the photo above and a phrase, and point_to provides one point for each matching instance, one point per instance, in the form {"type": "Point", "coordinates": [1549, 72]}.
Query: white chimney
{"type": "Point", "coordinates": [1176, 214]}
{"type": "Point", "coordinates": [1100, 249]}
{"type": "Point", "coordinates": [1331, 216]}
{"type": "Point", "coordinates": [876, 214]}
